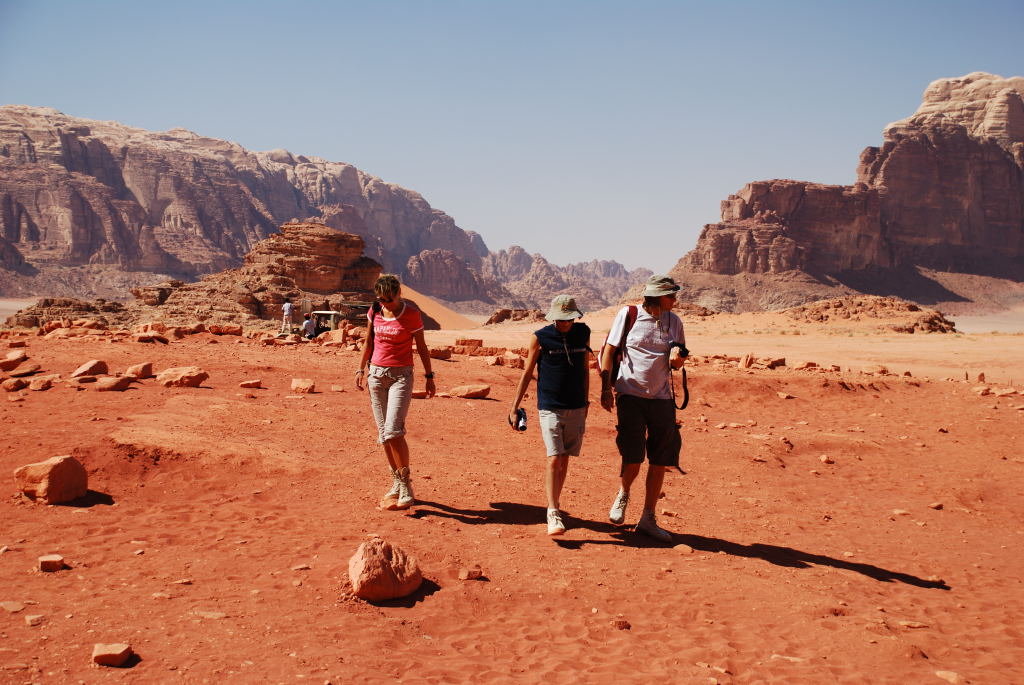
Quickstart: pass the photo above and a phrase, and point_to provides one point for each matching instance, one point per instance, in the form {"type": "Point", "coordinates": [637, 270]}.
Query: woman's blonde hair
{"type": "Point", "coordinates": [387, 285]}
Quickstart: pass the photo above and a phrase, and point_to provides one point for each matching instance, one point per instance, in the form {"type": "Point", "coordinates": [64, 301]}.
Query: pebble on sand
{"type": "Point", "coordinates": [51, 562]}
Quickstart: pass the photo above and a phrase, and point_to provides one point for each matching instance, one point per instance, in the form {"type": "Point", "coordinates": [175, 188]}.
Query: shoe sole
{"type": "Point", "coordinates": [654, 536]}
{"type": "Point", "coordinates": [557, 531]}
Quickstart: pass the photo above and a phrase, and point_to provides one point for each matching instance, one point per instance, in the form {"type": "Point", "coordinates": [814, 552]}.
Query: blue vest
{"type": "Point", "coordinates": [562, 367]}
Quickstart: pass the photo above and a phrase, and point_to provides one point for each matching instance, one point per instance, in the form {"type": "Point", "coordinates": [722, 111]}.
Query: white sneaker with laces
{"type": "Point", "coordinates": [393, 492]}
{"type": "Point", "coordinates": [405, 496]}
{"type": "Point", "coordinates": [555, 524]}
{"type": "Point", "coordinates": [649, 526]}
{"type": "Point", "coordinates": [618, 511]}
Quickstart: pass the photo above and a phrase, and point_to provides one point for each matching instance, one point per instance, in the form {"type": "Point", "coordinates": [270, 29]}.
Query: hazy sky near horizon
{"type": "Point", "coordinates": [580, 129]}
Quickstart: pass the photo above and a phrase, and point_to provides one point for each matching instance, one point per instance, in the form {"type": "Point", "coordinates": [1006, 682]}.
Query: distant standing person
{"type": "Point", "coordinates": [642, 396]}
{"type": "Point", "coordinates": [559, 353]}
{"type": "Point", "coordinates": [287, 312]}
{"type": "Point", "coordinates": [387, 365]}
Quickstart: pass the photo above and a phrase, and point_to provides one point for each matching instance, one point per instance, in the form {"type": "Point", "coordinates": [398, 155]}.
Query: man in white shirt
{"type": "Point", "coordinates": [287, 310]}
{"type": "Point", "coordinates": [642, 395]}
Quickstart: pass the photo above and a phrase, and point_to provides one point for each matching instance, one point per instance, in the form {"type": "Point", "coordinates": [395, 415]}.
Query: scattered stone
{"type": "Point", "coordinates": [94, 367]}
{"type": "Point", "coordinates": [620, 624]}
{"type": "Point", "coordinates": [255, 383]}
{"type": "Point", "coordinates": [58, 479]}
{"type": "Point", "coordinates": [34, 619]}
{"type": "Point", "coordinates": [471, 572]}
{"type": "Point", "coordinates": [785, 396]}
{"type": "Point", "coordinates": [721, 425]}
{"type": "Point", "coordinates": [22, 371]}
{"type": "Point", "coordinates": [143, 370]}
{"type": "Point", "coordinates": [469, 342]}
{"type": "Point", "coordinates": [875, 370]}
{"type": "Point", "coordinates": [301, 567]}
{"type": "Point", "coordinates": [791, 659]}
{"type": "Point", "coordinates": [150, 338]}
{"type": "Point", "coordinates": [380, 571]}
{"type": "Point", "coordinates": [14, 384]}
{"type": "Point", "coordinates": [900, 512]}
{"type": "Point", "coordinates": [12, 607]}
{"type": "Point", "coordinates": [825, 459]}
{"type": "Point", "coordinates": [337, 388]}
{"type": "Point", "coordinates": [115, 655]}
{"type": "Point", "coordinates": [41, 383]}
{"type": "Point", "coordinates": [949, 676]}
{"type": "Point", "coordinates": [935, 505]}
{"type": "Point", "coordinates": [49, 563]}
{"type": "Point", "coordinates": [684, 549]}
{"type": "Point", "coordinates": [12, 360]}
{"type": "Point", "coordinates": [183, 581]}
{"type": "Point", "coordinates": [981, 390]}
{"type": "Point", "coordinates": [211, 615]}
{"type": "Point", "coordinates": [304, 386]}
{"type": "Point", "coordinates": [471, 392]}
{"type": "Point", "coordinates": [114, 383]}
{"type": "Point", "coordinates": [912, 624]}
{"type": "Point", "coordinates": [182, 377]}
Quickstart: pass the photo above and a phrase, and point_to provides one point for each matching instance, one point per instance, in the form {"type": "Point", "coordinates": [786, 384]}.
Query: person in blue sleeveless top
{"type": "Point", "coordinates": [559, 353]}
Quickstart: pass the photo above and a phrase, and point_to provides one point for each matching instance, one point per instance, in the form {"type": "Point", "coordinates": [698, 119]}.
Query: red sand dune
{"type": "Point", "coordinates": [783, 568]}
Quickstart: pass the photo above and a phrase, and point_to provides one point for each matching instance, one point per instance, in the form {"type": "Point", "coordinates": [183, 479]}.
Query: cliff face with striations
{"type": "Point", "coordinates": [93, 208]}
{"type": "Point", "coordinates": [944, 193]}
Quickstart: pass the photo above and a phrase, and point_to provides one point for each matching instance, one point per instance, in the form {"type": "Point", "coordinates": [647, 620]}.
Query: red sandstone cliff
{"type": "Point", "coordinates": [92, 208]}
{"type": "Point", "coordinates": [944, 193]}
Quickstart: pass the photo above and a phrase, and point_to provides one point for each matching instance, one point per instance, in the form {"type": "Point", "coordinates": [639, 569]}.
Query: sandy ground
{"type": "Point", "coordinates": [783, 568]}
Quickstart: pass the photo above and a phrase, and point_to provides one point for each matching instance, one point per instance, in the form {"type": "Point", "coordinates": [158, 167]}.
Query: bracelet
{"type": "Point", "coordinates": [429, 375]}
{"type": "Point", "coordinates": [360, 372]}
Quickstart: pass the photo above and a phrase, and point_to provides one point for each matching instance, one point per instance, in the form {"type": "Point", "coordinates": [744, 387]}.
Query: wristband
{"type": "Point", "coordinates": [360, 372]}
{"type": "Point", "coordinates": [429, 375]}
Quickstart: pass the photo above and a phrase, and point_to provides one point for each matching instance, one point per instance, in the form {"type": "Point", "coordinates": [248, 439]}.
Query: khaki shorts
{"type": "Point", "coordinates": [562, 430]}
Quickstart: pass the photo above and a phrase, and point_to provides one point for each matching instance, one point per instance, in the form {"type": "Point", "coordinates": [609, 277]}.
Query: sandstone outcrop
{"type": "Point", "coordinates": [945, 193]}
{"type": "Point", "coordinates": [56, 480]}
{"type": "Point", "coordinates": [95, 208]}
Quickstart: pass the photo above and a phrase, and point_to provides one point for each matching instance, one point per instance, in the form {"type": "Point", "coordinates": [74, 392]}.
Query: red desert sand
{"type": "Point", "coordinates": [866, 529]}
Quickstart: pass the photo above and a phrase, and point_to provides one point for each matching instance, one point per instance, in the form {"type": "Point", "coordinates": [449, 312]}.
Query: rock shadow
{"type": "Point", "coordinates": [426, 589]}
{"type": "Point", "coordinates": [90, 499]}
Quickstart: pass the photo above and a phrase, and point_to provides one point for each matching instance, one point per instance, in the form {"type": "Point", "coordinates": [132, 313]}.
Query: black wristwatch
{"type": "Point", "coordinates": [429, 375]}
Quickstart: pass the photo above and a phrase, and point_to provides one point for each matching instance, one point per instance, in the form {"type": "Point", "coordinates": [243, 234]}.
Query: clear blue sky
{"type": "Point", "coordinates": [580, 129]}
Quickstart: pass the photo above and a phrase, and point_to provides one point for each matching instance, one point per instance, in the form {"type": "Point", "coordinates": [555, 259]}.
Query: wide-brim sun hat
{"type": "Point", "coordinates": [660, 284]}
{"type": "Point", "coordinates": [563, 308]}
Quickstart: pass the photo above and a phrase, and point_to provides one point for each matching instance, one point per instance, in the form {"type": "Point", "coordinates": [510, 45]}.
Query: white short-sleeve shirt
{"type": "Point", "coordinates": [644, 371]}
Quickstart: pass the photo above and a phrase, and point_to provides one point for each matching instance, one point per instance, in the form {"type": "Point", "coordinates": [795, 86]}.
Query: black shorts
{"type": "Point", "coordinates": [647, 426]}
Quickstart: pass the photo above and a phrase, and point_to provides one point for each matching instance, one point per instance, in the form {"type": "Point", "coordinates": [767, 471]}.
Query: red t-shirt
{"type": "Point", "coordinates": [392, 338]}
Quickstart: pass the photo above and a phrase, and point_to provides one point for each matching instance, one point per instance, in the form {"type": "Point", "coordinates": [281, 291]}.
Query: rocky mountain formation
{"type": "Point", "coordinates": [305, 262]}
{"type": "Point", "coordinates": [936, 216]}
{"type": "Point", "coordinates": [93, 208]}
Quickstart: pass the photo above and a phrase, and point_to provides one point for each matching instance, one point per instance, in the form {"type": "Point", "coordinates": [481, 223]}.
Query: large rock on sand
{"type": "Point", "coordinates": [58, 479]}
{"type": "Point", "coordinates": [182, 377]}
{"type": "Point", "coordinates": [380, 571]}
{"type": "Point", "coordinates": [471, 392]}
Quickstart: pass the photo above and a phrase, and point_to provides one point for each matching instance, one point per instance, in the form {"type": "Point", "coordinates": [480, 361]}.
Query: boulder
{"type": "Point", "coordinates": [12, 360]}
{"type": "Point", "coordinates": [49, 563]}
{"type": "Point", "coordinates": [26, 370]}
{"type": "Point", "coordinates": [114, 383]}
{"type": "Point", "coordinates": [303, 385]}
{"type": "Point", "coordinates": [182, 377]}
{"type": "Point", "coordinates": [14, 384]}
{"type": "Point", "coordinates": [114, 655]}
{"type": "Point", "coordinates": [40, 383]}
{"type": "Point", "coordinates": [58, 479]}
{"type": "Point", "coordinates": [255, 383]}
{"type": "Point", "coordinates": [471, 392]}
{"type": "Point", "coordinates": [225, 329]}
{"type": "Point", "coordinates": [440, 353]}
{"type": "Point", "coordinates": [94, 367]}
{"type": "Point", "coordinates": [380, 571]}
{"type": "Point", "coordinates": [143, 370]}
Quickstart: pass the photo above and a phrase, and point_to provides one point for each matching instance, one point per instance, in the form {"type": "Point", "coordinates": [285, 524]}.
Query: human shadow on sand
{"type": "Point", "coordinates": [773, 554]}
{"type": "Point", "coordinates": [508, 513]}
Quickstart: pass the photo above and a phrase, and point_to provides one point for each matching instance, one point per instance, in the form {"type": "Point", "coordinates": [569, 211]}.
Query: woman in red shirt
{"type": "Point", "coordinates": [387, 364]}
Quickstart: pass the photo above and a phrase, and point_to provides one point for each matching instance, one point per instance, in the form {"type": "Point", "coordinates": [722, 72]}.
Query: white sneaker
{"type": "Point", "coordinates": [555, 524]}
{"type": "Point", "coordinates": [618, 512]}
{"type": "Point", "coordinates": [405, 496]}
{"type": "Point", "coordinates": [393, 492]}
{"type": "Point", "coordinates": [649, 525]}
